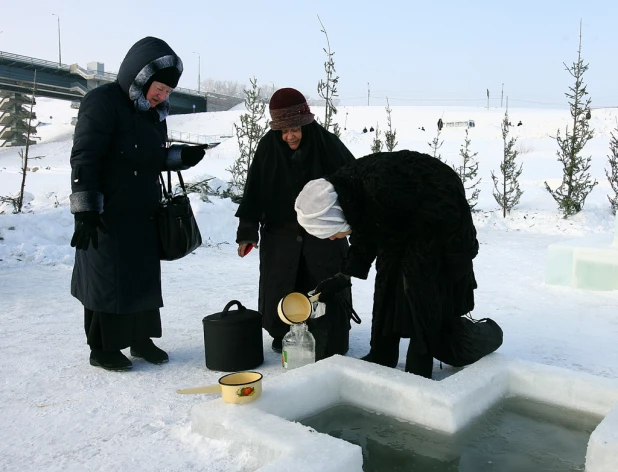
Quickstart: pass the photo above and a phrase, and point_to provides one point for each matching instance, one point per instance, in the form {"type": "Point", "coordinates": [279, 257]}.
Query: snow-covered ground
{"type": "Point", "coordinates": [59, 413]}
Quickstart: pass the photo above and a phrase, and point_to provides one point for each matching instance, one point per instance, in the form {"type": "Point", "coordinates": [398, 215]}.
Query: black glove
{"type": "Point", "coordinates": [191, 155]}
{"type": "Point", "coordinates": [329, 288]}
{"type": "Point", "coordinates": [86, 224]}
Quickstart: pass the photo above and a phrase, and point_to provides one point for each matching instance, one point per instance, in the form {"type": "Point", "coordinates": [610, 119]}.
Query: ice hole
{"type": "Point", "coordinates": [271, 429]}
{"type": "Point", "coordinates": [516, 435]}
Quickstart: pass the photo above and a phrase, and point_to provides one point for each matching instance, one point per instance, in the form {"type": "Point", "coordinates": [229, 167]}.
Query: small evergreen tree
{"type": "Point", "coordinates": [376, 145]}
{"type": "Point", "coordinates": [576, 181]}
{"type": "Point", "coordinates": [468, 171]}
{"type": "Point", "coordinates": [510, 194]}
{"type": "Point", "coordinates": [248, 134]}
{"type": "Point", "coordinates": [612, 173]}
{"type": "Point", "coordinates": [390, 136]}
{"type": "Point", "coordinates": [203, 188]}
{"type": "Point", "coordinates": [436, 144]}
{"type": "Point", "coordinates": [328, 89]}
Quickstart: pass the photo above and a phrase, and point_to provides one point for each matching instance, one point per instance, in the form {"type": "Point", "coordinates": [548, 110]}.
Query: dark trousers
{"type": "Point", "coordinates": [461, 343]}
{"type": "Point", "coordinates": [113, 332]}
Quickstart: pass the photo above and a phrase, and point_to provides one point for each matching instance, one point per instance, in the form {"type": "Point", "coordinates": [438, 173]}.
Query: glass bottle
{"type": "Point", "coordinates": [298, 347]}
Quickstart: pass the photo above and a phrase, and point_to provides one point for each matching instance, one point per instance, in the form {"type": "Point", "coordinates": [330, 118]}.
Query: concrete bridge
{"type": "Point", "coordinates": [72, 82]}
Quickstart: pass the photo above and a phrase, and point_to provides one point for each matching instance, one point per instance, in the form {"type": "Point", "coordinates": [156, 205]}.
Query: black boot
{"type": "Point", "coordinates": [387, 361]}
{"type": "Point", "coordinates": [149, 352]}
{"type": "Point", "coordinates": [277, 344]}
{"type": "Point", "coordinates": [384, 351]}
{"type": "Point", "coordinates": [110, 360]}
{"type": "Point", "coordinates": [419, 364]}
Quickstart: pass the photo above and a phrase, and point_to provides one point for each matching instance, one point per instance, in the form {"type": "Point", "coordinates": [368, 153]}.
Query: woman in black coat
{"type": "Point", "coordinates": [294, 151]}
{"type": "Point", "coordinates": [119, 150]}
{"type": "Point", "coordinates": [408, 212]}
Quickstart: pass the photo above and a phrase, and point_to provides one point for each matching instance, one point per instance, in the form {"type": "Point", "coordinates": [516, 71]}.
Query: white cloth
{"type": "Point", "coordinates": [318, 210]}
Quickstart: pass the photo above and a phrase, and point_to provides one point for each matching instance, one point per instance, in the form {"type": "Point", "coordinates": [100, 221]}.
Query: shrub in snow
{"type": "Point", "coordinates": [436, 144]}
{"type": "Point", "coordinates": [249, 133]}
{"type": "Point", "coordinates": [327, 90]}
{"type": "Point", "coordinates": [376, 145]}
{"type": "Point", "coordinates": [203, 188]}
{"type": "Point", "coordinates": [390, 136]}
{"type": "Point", "coordinates": [467, 172]}
{"type": "Point", "coordinates": [612, 173]}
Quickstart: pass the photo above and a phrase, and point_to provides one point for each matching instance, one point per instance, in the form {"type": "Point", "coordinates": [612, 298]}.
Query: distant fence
{"type": "Point", "coordinates": [194, 138]}
{"type": "Point", "coordinates": [459, 124]}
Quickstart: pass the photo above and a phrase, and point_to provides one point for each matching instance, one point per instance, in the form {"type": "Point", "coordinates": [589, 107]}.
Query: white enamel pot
{"type": "Point", "coordinates": [239, 387]}
{"type": "Point", "coordinates": [295, 307]}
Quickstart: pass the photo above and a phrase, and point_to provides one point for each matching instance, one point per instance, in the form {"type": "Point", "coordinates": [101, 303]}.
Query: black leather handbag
{"type": "Point", "coordinates": [178, 231]}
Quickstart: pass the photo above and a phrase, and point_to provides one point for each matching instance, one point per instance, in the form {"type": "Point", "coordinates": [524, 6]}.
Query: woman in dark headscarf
{"type": "Point", "coordinates": [294, 151]}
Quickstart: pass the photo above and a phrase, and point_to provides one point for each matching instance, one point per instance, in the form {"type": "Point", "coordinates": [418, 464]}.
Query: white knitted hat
{"type": "Point", "coordinates": [318, 210]}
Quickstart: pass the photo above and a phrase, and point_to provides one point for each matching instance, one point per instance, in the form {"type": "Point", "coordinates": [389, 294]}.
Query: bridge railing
{"type": "Point", "coordinates": [31, 60]}
{"type": "Point", "coordinates": [86, 73]}
{"type": "Point", "coordinates": [194, 138]}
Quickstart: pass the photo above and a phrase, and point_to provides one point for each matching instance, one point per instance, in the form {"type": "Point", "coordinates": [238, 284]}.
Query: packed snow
{"type": "Point", "coordinates": [60, 413]}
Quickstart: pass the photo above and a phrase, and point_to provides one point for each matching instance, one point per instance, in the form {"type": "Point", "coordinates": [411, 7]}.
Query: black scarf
{"type": "Point", "coordinates": [278, 174]}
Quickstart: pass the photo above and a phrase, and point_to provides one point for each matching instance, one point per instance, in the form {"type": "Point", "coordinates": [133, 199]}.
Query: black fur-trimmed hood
{"type": "Point", "coordinates": [146, 57]}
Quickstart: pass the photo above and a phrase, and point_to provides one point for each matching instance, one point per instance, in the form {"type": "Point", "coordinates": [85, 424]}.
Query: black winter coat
{"type": "Point", "coordinates": [408, 211]}
{"type": "Point", "coordinates": [290, 259]}
{"type": "Point", "coordinates": [119, 149]}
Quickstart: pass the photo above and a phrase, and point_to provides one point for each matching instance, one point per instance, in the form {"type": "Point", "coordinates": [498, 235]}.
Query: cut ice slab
{"type": "Point", "coordinates": [588, 263]}
{"type": "Point", "coordinates": [267, 428]}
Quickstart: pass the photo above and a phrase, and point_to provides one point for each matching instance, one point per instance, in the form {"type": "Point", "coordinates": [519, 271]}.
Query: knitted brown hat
{"type": "Point", "coordinates": [288, 109]}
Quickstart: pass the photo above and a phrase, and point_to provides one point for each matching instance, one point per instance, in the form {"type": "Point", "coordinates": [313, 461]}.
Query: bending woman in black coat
{"type": "Point", "coordinates": [294, 151]}
{"type": "Point", "coordinates": [119, 150]}
{"type": "Point", "coordinates": [408, 212]}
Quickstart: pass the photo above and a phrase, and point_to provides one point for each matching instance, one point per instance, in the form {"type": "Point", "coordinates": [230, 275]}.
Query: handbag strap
{"type": "Point", "coordinates": [167, 192]}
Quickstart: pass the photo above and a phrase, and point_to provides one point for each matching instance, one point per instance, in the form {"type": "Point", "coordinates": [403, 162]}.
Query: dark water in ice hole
{"type": "Point", "coordinates": [517, 435]}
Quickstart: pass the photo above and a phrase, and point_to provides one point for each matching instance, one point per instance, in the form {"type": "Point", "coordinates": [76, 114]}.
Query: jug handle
{"type": "Point", "coordinates": [314, 298]}
{"type": "Point", "coordinates": [229, 305]}
{"type": "Point", "coordinates": [206, 389]}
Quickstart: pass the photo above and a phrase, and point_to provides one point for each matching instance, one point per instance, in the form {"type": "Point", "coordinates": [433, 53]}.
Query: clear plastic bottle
{"type": "Point", "coordinates": [298, 347]}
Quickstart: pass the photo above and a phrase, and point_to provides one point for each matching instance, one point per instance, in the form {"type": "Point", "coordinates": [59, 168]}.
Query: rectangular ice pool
{"type": "Point", "coordinates": [475, 420]}
{"type": "Point", "coordinates": [517, 435]}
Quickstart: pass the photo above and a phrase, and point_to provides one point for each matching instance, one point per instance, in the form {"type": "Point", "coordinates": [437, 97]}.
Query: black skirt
{"type": "Point", "coordinates": [113, 332]}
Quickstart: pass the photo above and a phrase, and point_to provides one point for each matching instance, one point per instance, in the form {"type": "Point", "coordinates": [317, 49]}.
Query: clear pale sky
{"type": "Point", "coordinates": [431, 52]}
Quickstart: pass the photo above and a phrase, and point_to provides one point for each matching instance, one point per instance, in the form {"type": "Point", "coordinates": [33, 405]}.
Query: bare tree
{"type": "Point", "coordinates": [224, 87]}
{"type": "Point", "coordinates": [17, 201]}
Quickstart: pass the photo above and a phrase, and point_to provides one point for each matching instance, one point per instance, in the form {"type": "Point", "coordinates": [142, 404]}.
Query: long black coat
{"type": "Point", "coordinates": [119, 149]}
{"type": "Point", "coordinates": [290, 259]}
{"type": "Point", "coordinates": [408, 212]}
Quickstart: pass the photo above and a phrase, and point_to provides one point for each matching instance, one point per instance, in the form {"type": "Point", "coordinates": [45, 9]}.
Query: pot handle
{"type": "Point", "coordinates": [230, 304]}
{"type": "Point", "coordinates": [206, 389]}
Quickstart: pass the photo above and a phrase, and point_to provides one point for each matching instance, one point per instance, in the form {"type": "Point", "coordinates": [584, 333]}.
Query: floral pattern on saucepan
{"type": "Point", "coordinates": [245, 391]}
